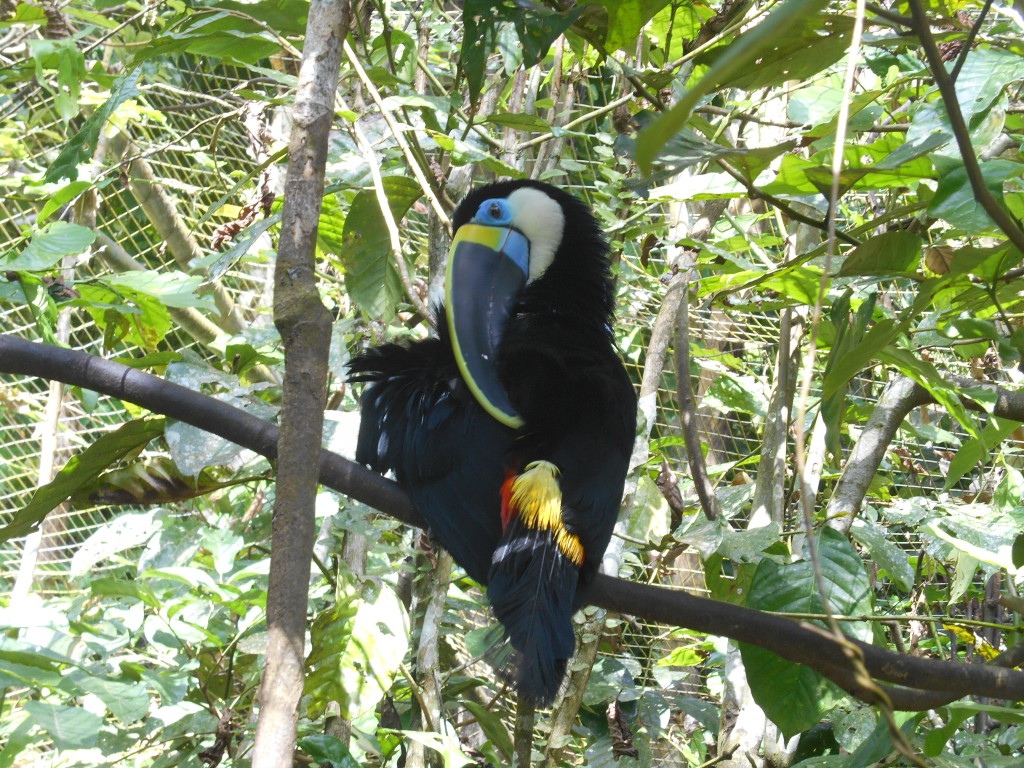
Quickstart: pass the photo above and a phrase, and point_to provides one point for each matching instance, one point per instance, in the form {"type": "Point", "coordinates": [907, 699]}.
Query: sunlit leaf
{"type": "Point", "coordinates": [742, 52]}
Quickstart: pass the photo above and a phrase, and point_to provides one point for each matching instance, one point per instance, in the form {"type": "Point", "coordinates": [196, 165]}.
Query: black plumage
{"type": "Point", "coordinates": [558, 364]}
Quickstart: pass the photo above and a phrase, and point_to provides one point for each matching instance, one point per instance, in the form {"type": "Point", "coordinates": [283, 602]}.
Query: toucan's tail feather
{"type": "Point", "coordinates": [532, 586]}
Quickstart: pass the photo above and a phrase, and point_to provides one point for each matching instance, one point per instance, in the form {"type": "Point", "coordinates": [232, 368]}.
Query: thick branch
{"type": "Point", "coordinates": [305, 327]}
{"type": "Point", "coordinates": [799, 642]}
{"type": "Point", "coordinates": [897, 400]}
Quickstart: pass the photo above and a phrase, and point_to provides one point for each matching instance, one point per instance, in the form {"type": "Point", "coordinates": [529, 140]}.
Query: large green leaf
{"type": "Point", "coordinates": [124, 314]}
{"type": "Point", "coordinates": [80, 470]}
{"type": "Point", "coordinates": [483, 20]}
{"type": "Point", "coordinates": [622, 22]}
{"type": "Point", "coordinates": [69, 727]}
{"type": "Point", "coordinates": [217, 34]}
{"type": "Point", "coordinates": [48, 246]}
{"type": "Point", "coordinates": [742, 53]}
{"type": "Point", "coordinates": [874, 749]}
{"type": "Point", "coordinates": [127, 700]}
{"type": "Point", "coordinates": [954, 199]}
{"type": "Point", "coordinates": [848, 335]}
{"type": "Point", "coordinates": [172, 288]}
{"type": "Point", "coordinates": [793, 696]}
{"type": "Point", "coordinates": [883, 333]}
{"type": "Point", "coordinates": [370, 273]}
{"type": "Point", "coordinates": [890, 253]}
{"type": "Point", "coordinates": [811, 44]}
{"type": "Point", "coordinates": [884, 551]}
{"type": "Point", "coordinates": [976, 449]}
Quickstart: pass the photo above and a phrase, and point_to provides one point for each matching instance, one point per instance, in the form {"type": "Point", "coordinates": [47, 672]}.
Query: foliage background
{"type": "Point", "coordinates": [148, 132]}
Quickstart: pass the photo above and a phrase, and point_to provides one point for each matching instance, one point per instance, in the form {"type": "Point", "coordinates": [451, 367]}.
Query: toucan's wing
{"type": "Point", "coordinates": [420, 422]}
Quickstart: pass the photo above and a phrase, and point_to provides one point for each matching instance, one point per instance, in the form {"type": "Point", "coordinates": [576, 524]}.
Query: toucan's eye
{"type": "Point", "coordinates": [494, 211]}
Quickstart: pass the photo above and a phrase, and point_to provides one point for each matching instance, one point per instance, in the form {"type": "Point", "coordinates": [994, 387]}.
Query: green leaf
{"type": "Point", "coordinates": [358, 647]}
{"type": "Point", "coordinates": [81, 469]}
{"type": "Point", "coordinates": [883, 333]}
{"type": "Point", "coordinates": [60, 198]}
{"type": "Point", "coordinates": [878, 745]}
{"type": "Point", "coordinates": [49, 245]}
{"type": "Point", "coordinates": [884, 551]}
{"type": "Point", "coordinates": [681, 657]}
{"type": "Point", "coordinates": [447, 745]}
{"type": "Point", "coordinates": [519, 121]}
{"type": "Point", "coordinates": [124, 314]}
{"type": "Point", "coordinates": [128, 701]}
{"type": "Point", "coordinates": [173, 288]}
{"type": "Point", "coordinates": [976, 449]}
{"type": "Point", "coordinates": [82, 146]}
{"type": "Point", "coordinates": [891, 253]}
{"type": "Point", "coordinates": [650, 517]}
{"type": "Point", "coordinates": [986, 73]}
{"type": "Point", "coordinates": [624, 21]}
{"type": "Point", "coordinates": [537, 30]}
{"type": "Point", "coordinates": [954, 199]}
{"type": "Point", "coordinates": [219, 35]}
{"type": "Point", "coordinates": [323, 749]}
{"type": "Point", "coordinates": [1017, 552]}
{"type": "Point", "coordinates": [742, 53]}
{"type": "Point", "coordinates": [811, 44]}
{"type": "Point", "coordinates": [111, 587]}
{"type": "Point", "coordinates": [69, 727]}
{"type": "Point", "coordinates": [370, 273]}
{"type": "Point", "coordinates": [793, 696]}
{"type": "Point", "coordinates": [732, 392]}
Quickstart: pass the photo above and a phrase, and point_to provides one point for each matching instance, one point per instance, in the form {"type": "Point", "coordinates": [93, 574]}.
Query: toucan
{"type": "Point", "coordinates": [511, 430]}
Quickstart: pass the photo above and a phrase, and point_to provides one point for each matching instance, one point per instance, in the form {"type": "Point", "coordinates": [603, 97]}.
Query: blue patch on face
{"type": "Point", "coordinates": [494, 211]}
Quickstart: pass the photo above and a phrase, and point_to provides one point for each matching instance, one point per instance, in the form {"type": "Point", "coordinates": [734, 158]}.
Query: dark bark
{"type": "Point", "coordinates": [796, 641]}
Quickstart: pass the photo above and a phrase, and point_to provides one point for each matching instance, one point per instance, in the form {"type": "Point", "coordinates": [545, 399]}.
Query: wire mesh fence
{"type": "Point", "coordinates": [195, 135]}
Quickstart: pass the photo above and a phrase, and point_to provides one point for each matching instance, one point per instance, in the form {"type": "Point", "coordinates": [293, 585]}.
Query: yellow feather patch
{"type": "Point", "coordinates": [538, 498]}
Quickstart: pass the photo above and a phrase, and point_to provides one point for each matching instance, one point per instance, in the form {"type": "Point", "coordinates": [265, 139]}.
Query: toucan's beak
{"type": "Point", "coordinates": [487, 267]}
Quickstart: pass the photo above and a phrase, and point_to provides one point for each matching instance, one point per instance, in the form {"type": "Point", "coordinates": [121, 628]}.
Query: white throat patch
{"type": "Point", "coordinates": [542, 220]}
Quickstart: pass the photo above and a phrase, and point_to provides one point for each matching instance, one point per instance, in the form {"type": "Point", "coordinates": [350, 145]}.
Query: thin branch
{"type": "Point", "coordinates": [947, 88]}
{"type": "Point", "coordinates": [710, 109]}
{"type": "Point", "coordinates": [756, 193]}
{"type": "Point", "coordinates": [688, 411]}
{"type": "Point", "coordinates": [899, 398]}
{"type": "Point", "coordinates": [970, 41]}
{"type": "Point", "coordinates": [396, 131]}
{"type": "Point", "coordinates": [795, 641]}
{"type": "Point", "coordinates": [366, 149]}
